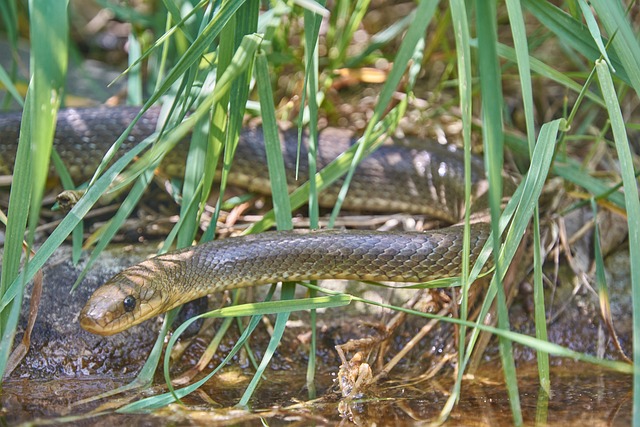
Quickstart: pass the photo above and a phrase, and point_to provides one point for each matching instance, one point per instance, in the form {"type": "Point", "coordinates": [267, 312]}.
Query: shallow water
{"type": "Point", "coordinates": [581, 395]}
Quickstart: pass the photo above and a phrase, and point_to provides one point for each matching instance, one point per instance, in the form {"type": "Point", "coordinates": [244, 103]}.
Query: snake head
{"type": "Point", "coordinates": [127, 299]}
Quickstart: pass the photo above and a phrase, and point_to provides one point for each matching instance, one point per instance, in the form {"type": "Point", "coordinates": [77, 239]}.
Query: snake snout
{"type": "Point", "coordinates": [127, 299]}
{"type": "Point", "coordinates": [91, 321]}
{"type": "Point", "coordinates": [103, 314]}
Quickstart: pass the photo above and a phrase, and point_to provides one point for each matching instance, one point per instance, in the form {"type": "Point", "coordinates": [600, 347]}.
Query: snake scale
{"type": "Point", "coordinates": [423, 177]}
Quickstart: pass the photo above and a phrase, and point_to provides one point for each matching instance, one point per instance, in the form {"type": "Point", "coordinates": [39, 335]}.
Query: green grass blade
{"type": "Point", "coordinates": [171, 138]}
{"type": "Point", "coordinates": [190, 57]}
{"type": "Point", "coordinates": [524, 70]}
{"type": "Point", "coordinates": [310, 90]}
{"type": "Point", "coordinates": [572, 32]}
{"type": "Point", "coordinates": [415, 33]}
{"type": "Point", "coordinates": [242, 60]}
{"type": "Point", "coordinates": [281, 206]}
{"type": "Point", "coordinates": [114, 224]}
{"type": "Point", "coordinates": [625, 43]}
{"type": "Point", "coordinates": [316, 7]}
{"type": "Point", "coordinates": [347, 29]}
{"type": "Point", "coordinates": [275, 162]}
{"type": "Point", "coordinates": [49, 28]}
{"type": "Point", "coordinates": [19, 199]}
{"type": "Point", "coordinates": [592, 25]}
{"type": "Point", "coordinates": [529, 341]}
{"type": "Point", "coordinates": [520, 208]}
{"type": "Point", "coordinates": [70, 221]}
{"type": "Point", "coordinates": [67, 184]}
{"type": "Point", "coordinates": [281, 306]}
{"type": "Point", "coordinates": [254, 309]}
{"type": "Point", "coordinates": [134, 80]}
{"type": "Point", "coordinates": [49, 66]}
{"type": "Point", "coordinates": [227, 121]}
{"type": "Point", "coordinates": [199, 155]}
{"type": "Point", "coordinates": [546, 71]}
{"type": "Point", "coordinates": [192, 185]}
{"type": "Point", "coordinates": [532, 186]}
{"type": "Point", "coordinates": [164, 39]}
{"type": "Point", "coordinates": [633, 215]}
{"type": "Point", "coordinates": [381, 39]}
{"type": "Point", "coordinates": [493, 139]}
{"type": "Point", "coordinates": [572, 171]}
{"type": "Point", "coordinates": [7, 84]}
{"type": "Point", "coordinates": [220, 144]}
{"type": "Point", "coordinates": [125, 13]}
{"type": "Point", "coordinates": [463, 56]}
{"type": "Point", "coordinates": [333, 171]}
{"type": "Point", "coordinates": [9, 16]}
{"type": "Point", "coordinates": [288, 293]}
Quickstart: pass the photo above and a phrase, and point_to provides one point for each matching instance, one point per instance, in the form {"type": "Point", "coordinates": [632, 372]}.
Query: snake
{"type": "Point", "coordinates": [417, 176]}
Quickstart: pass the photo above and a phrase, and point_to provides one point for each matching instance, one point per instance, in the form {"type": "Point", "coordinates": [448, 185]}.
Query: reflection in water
{"type": "Point", "coordinates": [581, 395]}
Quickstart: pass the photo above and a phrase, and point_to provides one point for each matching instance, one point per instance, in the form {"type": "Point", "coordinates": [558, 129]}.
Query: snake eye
{"type": "Point", "coordinates": [129, 303]}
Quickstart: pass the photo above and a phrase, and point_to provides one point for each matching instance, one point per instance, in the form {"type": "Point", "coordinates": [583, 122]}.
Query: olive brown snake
{"type": "Point", "coordinates": [424, 178]}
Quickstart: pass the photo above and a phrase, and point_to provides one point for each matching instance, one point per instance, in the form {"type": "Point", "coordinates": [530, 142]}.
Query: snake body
{"type": "Point", "coordinates": [427, 179]}
{"type": "Point", "coordinates": [422, 178]}
{"type": "Point", "coordinates": [158, 284]}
